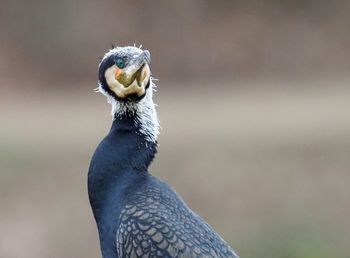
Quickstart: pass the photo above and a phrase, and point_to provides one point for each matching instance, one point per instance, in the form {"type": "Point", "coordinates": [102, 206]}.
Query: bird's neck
{"type": "Point", "coordinates": [121, 158]}
{"type": "Point", "coordinates": [131, 145]}
{"type": "Point", "coordinates": [135, 139]}
{"type": "Point", "coordinates": [118, 165]}
{"type": "Point", "coordinates": [142, 113]}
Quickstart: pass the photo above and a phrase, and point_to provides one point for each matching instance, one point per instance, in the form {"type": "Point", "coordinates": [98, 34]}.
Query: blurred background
{"type": "Point", "coordinates": [254, 102]}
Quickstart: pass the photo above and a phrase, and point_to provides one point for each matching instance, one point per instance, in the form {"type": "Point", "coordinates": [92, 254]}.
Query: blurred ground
{"type": "Point", "coordinates": [267, 164]}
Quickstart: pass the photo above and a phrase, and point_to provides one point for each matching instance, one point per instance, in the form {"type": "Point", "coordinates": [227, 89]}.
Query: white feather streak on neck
{"type": "Point", "coordinates": [144, 111]}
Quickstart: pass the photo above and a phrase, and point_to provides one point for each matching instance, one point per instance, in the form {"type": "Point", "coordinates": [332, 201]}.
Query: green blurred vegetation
{"type": "Point", "coordinates": [304, 239]}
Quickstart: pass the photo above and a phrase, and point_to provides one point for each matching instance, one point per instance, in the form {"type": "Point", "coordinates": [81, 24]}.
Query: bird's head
{"type": "Point", "coordinates": [124, 77]}
{"type": "Point", "coordinates": [124, 74]}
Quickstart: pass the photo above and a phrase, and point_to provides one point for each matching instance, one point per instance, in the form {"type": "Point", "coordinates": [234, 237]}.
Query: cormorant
{"type": "Point", "coordinates": [138, 215]}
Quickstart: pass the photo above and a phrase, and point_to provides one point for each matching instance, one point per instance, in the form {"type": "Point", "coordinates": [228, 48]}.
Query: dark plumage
{"type": "Point", "coordinates": [138, 215]}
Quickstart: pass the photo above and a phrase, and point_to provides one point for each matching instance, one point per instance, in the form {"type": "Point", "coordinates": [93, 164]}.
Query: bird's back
{"type": "Point", "coordinates": [155, 222]}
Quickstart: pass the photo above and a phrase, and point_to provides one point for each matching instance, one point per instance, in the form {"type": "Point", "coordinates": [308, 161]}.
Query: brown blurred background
{"type": "Point", "coordinates": [254, 102]}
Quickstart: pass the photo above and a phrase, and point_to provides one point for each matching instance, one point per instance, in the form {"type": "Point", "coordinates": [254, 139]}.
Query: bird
{"type": "Point", "coordinates": [137, 214]}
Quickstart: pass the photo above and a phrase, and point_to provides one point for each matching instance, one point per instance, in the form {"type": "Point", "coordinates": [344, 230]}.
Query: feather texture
{"type": "Point", "coordinates": [157, 224]}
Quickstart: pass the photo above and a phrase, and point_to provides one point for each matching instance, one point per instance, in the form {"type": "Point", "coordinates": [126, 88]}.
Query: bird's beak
{"type": "Point", "coordinates": [131, 80]}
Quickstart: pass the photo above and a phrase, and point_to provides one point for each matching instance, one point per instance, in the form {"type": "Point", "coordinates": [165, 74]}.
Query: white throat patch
{"type": "Point", "coordinates": [144, 111]}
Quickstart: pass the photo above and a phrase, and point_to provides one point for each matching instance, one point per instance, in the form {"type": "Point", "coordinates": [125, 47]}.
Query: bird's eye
{"type": "Point", "coordinates": [120, 63]}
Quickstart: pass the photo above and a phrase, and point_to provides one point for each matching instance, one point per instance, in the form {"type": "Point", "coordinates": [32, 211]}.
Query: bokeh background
{"type": "Point", "coordinates": [254, 102]}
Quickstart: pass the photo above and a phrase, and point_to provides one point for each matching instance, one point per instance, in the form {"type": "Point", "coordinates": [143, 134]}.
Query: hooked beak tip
{"type": "Point", "coordinates": [146, 56]}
